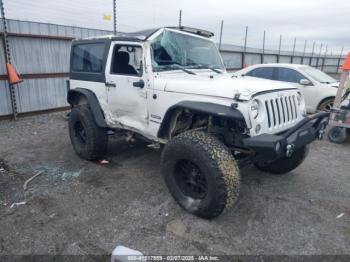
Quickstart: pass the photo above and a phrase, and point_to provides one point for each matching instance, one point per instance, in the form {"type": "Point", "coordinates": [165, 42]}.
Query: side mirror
{"type": "Point", "coordinates": [305, 82]}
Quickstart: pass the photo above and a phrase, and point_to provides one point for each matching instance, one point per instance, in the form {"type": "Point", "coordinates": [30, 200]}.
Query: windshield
{"type": "Point", "coordinates": [171, 50]}
{"type": "Point", "coordinates": [318, 75]}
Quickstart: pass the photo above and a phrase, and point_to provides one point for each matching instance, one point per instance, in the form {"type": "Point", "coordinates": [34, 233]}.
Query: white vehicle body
{"type": "Point", "coordinates": [314, 93]}
{"type": "Point", "coordinates": [142, 110]}
{"type": "Point", "coordinates": [170, 86]}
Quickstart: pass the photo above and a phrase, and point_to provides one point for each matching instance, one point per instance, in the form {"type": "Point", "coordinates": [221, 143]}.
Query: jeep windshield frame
{"type": "Point", "coordinates": [171, 50]}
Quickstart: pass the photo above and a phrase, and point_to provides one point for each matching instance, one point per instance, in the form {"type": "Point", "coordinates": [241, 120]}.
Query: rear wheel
{"type": "Point", "coordinates": [200, 173]}
{"type": "Point", "coordinates": [88, 140]}
{"type": "Point", "coordinates": [337, 134]}
{"type": "Point", "coordinates": [326, 105]}
{"type": "Point", "coordinates": [284, 165]}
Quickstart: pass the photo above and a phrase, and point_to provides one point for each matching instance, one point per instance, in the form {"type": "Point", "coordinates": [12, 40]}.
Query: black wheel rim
{"type": "Point", "coordinates": [335, 134]}
{"type": "Point", "coordinates": [80, 132]}
{"type": "Point", "coordinates": [190, 179]}
{"type": "Point", "coordinates": [327, 107]}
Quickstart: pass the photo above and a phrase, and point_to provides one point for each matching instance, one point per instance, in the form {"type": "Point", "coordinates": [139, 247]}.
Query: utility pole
{"type": "Point", "coordinates": [6, 47]}
{"type": "Point", "coordinates": [221, 29]}
{"type": "Point", "coordinates": [115, 16]}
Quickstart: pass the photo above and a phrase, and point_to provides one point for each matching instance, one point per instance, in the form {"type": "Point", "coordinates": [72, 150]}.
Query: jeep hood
{"type": "Point", "coordinates": [223, 85]}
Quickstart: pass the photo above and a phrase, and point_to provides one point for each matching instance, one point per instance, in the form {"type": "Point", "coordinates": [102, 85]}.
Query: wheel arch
{"type": "Point", "coordinates": [202, 108]}
{"type": "Point", "coordinates": [81, 96]}
{"type": "Point", "coordinates": [324, 100]}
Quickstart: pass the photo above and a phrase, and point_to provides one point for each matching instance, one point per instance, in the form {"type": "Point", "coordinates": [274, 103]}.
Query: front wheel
{"type": "Point", "coordinates": [337, 134]}
{"type": "Point", "coordinates": [326, 105]}
{"type": "Point", "coordinates": [284, 165]}
{"type": "Point", "coordinates": [201, 173]}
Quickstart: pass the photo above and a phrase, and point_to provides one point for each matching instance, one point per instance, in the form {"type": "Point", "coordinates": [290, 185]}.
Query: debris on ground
{"type": "Point", "coordinates": [18, 204]}
{"type": "Point", "coordinates": [66, 175]}
{"type": "Point", "coordinates": [340, 215]}
{"type": "Point", "coordinates": [3, 166]}
{"type": "Point", "coordinates": [30, 179]}
{"type": "Point", "coordinates": [102, 162]}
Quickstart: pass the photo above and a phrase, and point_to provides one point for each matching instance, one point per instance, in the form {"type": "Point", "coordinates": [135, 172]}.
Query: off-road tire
{"type": "Point", "coordinates": [215, 162]}
{"type": "Point", "coordinates": [337, 134]}
{"type": "Point", "coordinates": [326, 105]}
{"type": "Point", "coordinates": [95, 145]}
{"type": "Point", "coordinates": [284, 165]}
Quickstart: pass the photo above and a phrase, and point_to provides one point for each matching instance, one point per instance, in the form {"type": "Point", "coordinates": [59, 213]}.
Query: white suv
{"type": "Point", "coordinates": [318, 88]}
{"type": "Point", "coordinates": [169, 87]}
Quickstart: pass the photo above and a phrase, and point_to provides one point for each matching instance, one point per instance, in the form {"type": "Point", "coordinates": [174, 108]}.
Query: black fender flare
{"type": "Point", "coordinates": [201, 108]}
{"type": "Point", "coordinates": [92, 101]}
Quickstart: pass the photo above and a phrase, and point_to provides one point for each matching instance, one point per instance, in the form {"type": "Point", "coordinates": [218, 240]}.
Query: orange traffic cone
{"type": "Point", "coordinates": [12, 74]}
{"type": "Point", "coordinates": [346, 64]}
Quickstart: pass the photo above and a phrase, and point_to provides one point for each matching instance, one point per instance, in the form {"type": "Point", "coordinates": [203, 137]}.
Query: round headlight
{"type": "Point", "coordinates": [254, 108]}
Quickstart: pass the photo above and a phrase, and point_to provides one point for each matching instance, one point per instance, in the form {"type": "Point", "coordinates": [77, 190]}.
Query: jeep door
{"type": "Point", "coordinates": [126, 92]}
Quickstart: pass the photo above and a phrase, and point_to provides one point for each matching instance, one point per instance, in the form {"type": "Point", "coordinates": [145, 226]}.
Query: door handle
{"type": "Point", "coordinates": [110, 84]}
{"type": "Point", "coordinates": [140, 84]}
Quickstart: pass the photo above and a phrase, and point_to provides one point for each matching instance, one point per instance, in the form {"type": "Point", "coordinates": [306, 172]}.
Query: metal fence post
{"type": "Point", "coordinates": [263, 49]}
{"type": "Point", "coordinates": [292, 57]}
{"type": "Point", "coordinates": [180, 18]}
{"type": "Point", "coordinates": [312, 53]}
{"type": "Point", "coordinates": [245, 46]}
{"type": "Point", "coordinates": [7, 55]}
{"type": "Point", "coordinates": [319, 56]}
{"type": "Point", "coordinates": [115, 16]}
{"type": "Point", "coordinates": [339, 59]}
{"type": "Point", "coordinates": [302, 58]}
{"type": "Point", "coordinates": [324, 58]}
{"type": "Point", "coordinates": [279, 49]}
{"type": "Point", "coordinates": [221, 29]}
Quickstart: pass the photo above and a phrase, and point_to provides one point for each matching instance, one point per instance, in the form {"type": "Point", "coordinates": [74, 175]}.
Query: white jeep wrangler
{"type": "Point", "coordinates": [169, 86]}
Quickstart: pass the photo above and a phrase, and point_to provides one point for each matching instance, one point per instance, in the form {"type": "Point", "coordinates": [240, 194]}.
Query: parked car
{"type": "Point", "coordinates": [318, 88]}
{"type": "Point", "coordinates": [169, 86]}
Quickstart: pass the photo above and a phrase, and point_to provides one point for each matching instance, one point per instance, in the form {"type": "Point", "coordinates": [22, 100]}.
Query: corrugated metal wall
{"type": "Point", "coordinates": [38, 49]}
{"type": "Point", "coordinates": [233, 58]}
{"type": "Point", "coordinates": [40, 53]}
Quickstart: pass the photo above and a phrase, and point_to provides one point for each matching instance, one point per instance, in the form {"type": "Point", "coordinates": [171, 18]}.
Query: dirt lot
{"type": "Point", "coordinates": [80, 207]}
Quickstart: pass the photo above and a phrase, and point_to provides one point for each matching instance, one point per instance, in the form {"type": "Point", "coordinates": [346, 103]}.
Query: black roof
{"type": "Point", "coordinates": [145, 34]}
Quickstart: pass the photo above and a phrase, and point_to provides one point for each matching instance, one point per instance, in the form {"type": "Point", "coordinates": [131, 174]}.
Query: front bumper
{"type": "Point", "coordinates": [268, 147]}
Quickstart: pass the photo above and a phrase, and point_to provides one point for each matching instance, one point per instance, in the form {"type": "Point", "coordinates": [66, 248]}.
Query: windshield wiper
{"type": "Point", "coordinates": [176, 66]}
{"type": "Point", "coordinates": [207, 67]}
{"type": "Point", "coordinates": [183, 69]}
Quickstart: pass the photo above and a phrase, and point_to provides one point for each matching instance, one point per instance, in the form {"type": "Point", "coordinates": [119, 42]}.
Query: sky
{"type": "Point", "coordinates": [324, 22]}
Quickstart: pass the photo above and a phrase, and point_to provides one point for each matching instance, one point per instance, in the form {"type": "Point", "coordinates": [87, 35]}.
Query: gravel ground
{"type": "Point", "coordinates": [80, 207]}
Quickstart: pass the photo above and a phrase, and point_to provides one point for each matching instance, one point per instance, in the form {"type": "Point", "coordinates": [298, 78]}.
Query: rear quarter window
{"type": "Point", "coordinates": [88, 57]}
{"type": "Point", "coordinates": [262, 72]}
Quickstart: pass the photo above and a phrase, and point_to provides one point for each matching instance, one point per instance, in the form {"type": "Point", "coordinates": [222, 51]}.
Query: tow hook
{"type": "Point", "coordinates": [289, 150]}
{"type": "Point", "coordinates": [320, 134]}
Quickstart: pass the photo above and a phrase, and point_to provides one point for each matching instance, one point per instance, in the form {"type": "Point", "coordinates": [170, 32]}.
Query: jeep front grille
{"type": "Point", "coordinates": [281, 111]}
